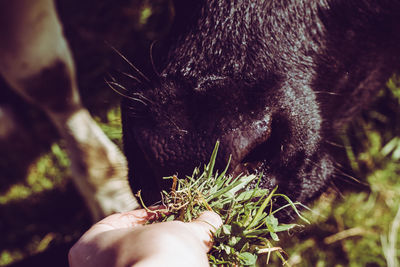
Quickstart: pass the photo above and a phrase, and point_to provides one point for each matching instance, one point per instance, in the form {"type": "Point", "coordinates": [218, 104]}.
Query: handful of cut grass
{"type": "Point", "coordinates": [247, 213]}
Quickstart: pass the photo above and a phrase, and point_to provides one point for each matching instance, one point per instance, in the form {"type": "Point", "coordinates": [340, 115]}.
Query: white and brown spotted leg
{"type": "Point", "coordinates": [36, 61]}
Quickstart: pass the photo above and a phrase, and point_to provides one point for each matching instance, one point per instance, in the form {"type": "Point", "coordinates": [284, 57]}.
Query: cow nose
{"type": "Point", "coordinates": [242, 141]}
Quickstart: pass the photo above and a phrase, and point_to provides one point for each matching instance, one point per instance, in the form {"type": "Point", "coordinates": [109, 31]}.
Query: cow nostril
{"type": "Point", "coordinates": [265, 152]}
{"type": "Point", "coordinates": [257, 154]}
{"type": "Point", "coordinates": [247, 145]}
{"type": "Point", "coordinates": [254, 161]}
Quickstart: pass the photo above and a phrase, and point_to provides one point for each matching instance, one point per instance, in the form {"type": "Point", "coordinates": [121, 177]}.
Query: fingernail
{"type": "Point", "coordinates": [211, 218]}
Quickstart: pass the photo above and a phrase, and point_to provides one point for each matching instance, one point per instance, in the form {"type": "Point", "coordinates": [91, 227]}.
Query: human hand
{"type": "Point", "coordinates": [122, 240]}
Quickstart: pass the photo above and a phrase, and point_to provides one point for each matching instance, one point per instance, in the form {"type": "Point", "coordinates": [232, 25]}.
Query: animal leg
{"type": "Point", "coordinates": [36, 61]}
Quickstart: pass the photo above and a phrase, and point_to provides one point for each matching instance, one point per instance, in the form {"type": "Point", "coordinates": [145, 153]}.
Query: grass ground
{"type": "Point", "coordinates": [43, 211]}
{"type": "Point", "coordinates": [353, 225]}
{"type": "Point", "coordinates": [357, 224]}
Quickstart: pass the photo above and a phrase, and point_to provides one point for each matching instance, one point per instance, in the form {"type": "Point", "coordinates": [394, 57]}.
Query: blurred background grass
{"type": "Point", "coordinates": [356, 223]}
{"type": "Point", "coordinates": [41, 214]}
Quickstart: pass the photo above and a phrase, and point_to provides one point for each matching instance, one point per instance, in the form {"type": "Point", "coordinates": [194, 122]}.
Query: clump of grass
{"type": "Point", "coordinates": [250, 223]}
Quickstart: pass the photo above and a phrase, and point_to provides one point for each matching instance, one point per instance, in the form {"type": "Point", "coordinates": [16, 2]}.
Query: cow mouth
{"type": "Point", "coordinates": [248, 168]}
{"type": "Point", "coordinates": [252, 152]}
{"type": "Point", "coordinates": [265, 155]}
{"type": "Point", "coordinates": [255, 163]}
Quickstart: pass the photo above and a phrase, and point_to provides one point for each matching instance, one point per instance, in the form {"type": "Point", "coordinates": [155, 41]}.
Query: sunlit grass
{"type": "Point", "coordinates": [43, 174]}
{"type": "Point", "coordinates": [250, 224]}
{"type": "Point", "coordinates": [112, 126]}
{"type": "Point", "coordinates": [48, 172]}
{"type": "Point", "coordinates": [359, 228]}
{"type": "Point", "coordinates": [8, 257]}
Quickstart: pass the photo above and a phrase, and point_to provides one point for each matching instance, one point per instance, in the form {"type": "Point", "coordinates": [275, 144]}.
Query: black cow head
{"type": "Point", "coordinates": [271, 80]}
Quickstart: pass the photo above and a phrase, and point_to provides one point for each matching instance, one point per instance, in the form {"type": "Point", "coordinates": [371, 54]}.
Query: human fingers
{"type": "Point", "coordinates": [204, 227]}
{"type": "Point", "coordinates": [127, 219]}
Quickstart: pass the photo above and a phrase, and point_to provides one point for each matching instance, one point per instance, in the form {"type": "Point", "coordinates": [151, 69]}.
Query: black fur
{"type": "Point", "coordinates": [271, 79]}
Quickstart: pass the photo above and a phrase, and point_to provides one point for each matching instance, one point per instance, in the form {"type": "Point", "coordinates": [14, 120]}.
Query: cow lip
{"type": "Point", "coordinates": [246, 168]}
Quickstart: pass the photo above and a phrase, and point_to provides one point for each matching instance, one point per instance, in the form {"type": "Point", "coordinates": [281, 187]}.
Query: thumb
{"type": "Point", "coordinates": [205, 226]}
{"type": "Point", "coordinates": [123, 220]}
